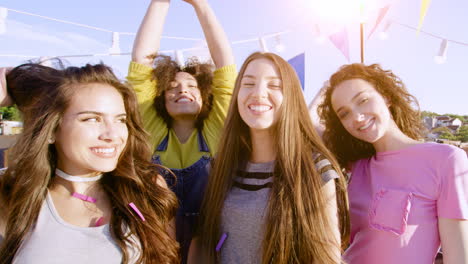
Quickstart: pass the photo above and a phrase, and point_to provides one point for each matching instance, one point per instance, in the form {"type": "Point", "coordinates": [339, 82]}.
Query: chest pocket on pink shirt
{"type": "Point", "coordinates": [389, 210]}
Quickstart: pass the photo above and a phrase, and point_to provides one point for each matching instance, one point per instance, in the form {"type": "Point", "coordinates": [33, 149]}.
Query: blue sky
{"type": "Point", "coordinates": [440, 88]}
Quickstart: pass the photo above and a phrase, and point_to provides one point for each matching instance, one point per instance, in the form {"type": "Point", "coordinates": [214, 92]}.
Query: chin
{"type": "Point", "coordinates": [260, 127]}
{"type": "Point", "coordinates": [105, 168]}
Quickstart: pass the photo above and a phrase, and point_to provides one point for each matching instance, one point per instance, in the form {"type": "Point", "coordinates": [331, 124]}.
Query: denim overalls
{"type": "Point", "coordinates": [189, 188]}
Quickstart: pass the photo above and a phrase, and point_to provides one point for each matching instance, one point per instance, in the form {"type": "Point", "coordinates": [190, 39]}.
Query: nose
{"type": "Point", "coordinates": [358, 117]}
{"type": "Point", "coordinates": [260, 90]}
{"type": "Point", "coordinates": [183, 89]}
{"type": "Point", "coordinates": [109, 132]}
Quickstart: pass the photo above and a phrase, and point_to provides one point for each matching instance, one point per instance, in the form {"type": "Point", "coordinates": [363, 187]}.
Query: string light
{"type": "Point", "coordinates": [383, 35]}
{"type": "Point", "coordinates": [319, 39]}
{"type": "Point", "coordinates": [279, 47]}
{"type": "Point", "coordinates": [441, 57]}
{"type": "Point", "coordinates": [263, 46]}
{"type": "Point", "coordinates": [3, 17]}
{"type": "Point", "coordinates": [179, 56]}
{"type": "Point", "coordinates": [115, 48]}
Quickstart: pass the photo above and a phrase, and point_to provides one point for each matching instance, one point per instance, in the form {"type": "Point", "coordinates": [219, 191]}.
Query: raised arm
{"type": "Point", "coordinates": [5, 99]}
{"type": "Point", "coordinates": [216, 38]}
{"type": "Point", "coordinates": [148, 38]}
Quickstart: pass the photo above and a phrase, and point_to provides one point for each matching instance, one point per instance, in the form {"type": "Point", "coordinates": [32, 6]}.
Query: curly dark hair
{"type": "Point", "coordinates": [165, 70]}
{"type": "Point", "coordinates": [404, 108]}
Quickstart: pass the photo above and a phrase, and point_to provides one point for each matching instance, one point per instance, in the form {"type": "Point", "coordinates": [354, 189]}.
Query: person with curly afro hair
{"type": "Point", "coordinates": [183, 106]}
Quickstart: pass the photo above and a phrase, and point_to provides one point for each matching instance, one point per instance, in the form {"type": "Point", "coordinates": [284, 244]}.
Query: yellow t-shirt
{"type": "Point", "coordinates": [178, 155]}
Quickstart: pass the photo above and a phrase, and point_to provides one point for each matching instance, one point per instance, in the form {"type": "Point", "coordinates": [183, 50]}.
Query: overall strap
{"type": "Point", "coordinates": [202, 146]}
{"type": "Point", "coordinates": [163, 145]}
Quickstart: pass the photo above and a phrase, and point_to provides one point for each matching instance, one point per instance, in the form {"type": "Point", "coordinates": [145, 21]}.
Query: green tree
{"type": "Point", "coordinates": [462, 134]}
{"type": "Point", "coordinates": [10, 113]}
{"type": "Point", "coordinates": [441, 130]}
{"type": "Point", "coordinates": [447, 135]}
{"type": "Point", "coordinates": [428, 113]}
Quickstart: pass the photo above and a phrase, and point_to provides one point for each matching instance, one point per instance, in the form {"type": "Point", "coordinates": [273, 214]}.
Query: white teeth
{"type": "Point", "coordinates": [367, 125]}
{"type": "Point", "coordinates": [103, 150]}
{"type": "Point", "coordinates": [183, 100]}
{"type": "Point", "coordinates": [259, 108]}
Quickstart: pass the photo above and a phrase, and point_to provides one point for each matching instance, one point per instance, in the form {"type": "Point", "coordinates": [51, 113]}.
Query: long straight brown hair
{"type": "Point", "coordinates": [24, 185]}
{"type": "Point", "coordinates": [298, 229]}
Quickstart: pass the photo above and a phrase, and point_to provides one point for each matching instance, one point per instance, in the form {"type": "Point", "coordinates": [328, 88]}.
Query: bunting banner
{"type": "Point", "coordinates": [341, 42]}
{"type": "Point", "coordinates": [382, 13]}
{"type": "Point", "coordinates": [298, 63]}
{"type": "Point", "coordinates": [422, 13]}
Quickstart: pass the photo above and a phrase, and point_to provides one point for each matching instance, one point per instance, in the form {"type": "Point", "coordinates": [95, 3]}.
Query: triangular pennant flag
{"type": "Point", "coordinates": [383, 11]}
{"type": "Point", "coordinates": [422, 13]}
{"type": "Point", "coordinates": [340, 40]}
{"type": "Point", "coordinates": [298, 63]}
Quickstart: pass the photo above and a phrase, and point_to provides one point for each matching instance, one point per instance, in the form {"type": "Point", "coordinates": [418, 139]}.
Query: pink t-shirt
{"type": "Point", "coordinates": [396, 198]}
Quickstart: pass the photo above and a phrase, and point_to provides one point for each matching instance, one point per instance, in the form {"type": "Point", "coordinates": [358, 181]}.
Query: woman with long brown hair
{"type": "Point", "coordinates": [275, 193]}
{"type": "Point", "coordinates": [406, 196]}
{"type": "Point", "coordinates": [80, 187]}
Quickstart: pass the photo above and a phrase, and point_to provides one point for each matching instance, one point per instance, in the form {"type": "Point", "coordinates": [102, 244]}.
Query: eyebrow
{"type": "Point", "coordinates": [352, 99]}
{"type": "Point", "coordinates": [253, 77]}
{"type": "Point", "coordinates": [98, 113]}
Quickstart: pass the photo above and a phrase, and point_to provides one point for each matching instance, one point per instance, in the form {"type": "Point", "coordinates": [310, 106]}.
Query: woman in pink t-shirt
{"type": "Point", "coordinates": [406, 197]}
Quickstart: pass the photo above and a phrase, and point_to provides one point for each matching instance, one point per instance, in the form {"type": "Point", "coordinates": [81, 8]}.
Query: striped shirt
{"type": "Point", "coordinates": [245, 209]}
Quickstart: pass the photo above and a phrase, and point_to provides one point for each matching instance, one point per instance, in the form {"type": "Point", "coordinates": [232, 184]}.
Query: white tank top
{"type": "Point", "coordinates": [52, 240]}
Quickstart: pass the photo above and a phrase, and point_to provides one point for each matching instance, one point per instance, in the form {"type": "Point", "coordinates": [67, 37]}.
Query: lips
{"type": "Point", "coordinates": [104, 152]}
{"type": "Point", "coordinates": [368, 124]}
{"type": "Point", "coordinates": [259, 108]}
{"type": "Point", "coordinates": [184, 99]}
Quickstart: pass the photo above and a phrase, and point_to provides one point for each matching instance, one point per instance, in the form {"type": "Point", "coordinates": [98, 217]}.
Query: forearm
{"type": "Point", "coordinates": [454, 238]}
{"type": "Point", "coordinates": [332, 215]}
{"type": "Point", "coordinates": [216, 38]}
{"type": "Point", "coordinates": [194, 252]}
{"type": "Point", "coordinates": [5, 99]}
{"type": "Point", "coordinates": [148, 38]}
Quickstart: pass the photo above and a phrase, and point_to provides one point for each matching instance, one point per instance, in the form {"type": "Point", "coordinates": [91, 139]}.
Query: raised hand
{"type": "Point", "coordinates": [196, 2]}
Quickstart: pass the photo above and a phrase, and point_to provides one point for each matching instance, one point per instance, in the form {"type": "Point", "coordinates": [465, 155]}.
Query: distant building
{"type": "Point", "coordinates": [447, 121]}
{"type": "Point", "coordinates": [10, 127]}
{"type": "Point", "coordinates": [443, 121]}
{"type": "Point", "coordinates": [430, 122]}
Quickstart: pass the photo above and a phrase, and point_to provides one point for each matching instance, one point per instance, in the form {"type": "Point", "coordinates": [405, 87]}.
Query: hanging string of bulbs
{"type": "Point", "coordinates": [115, 50]}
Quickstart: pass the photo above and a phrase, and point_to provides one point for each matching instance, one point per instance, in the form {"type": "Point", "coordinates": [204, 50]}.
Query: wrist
{"type": "Point", "coordinates": [166, 2]}
{"type": "Point", "coordinates": [201, 6]}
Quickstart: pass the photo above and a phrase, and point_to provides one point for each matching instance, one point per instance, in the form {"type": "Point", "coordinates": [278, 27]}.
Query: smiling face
{"type": "Point", "coordinates": [260, 95]}
{"type": "Point", "coordinates": [183, 98]}
{"type": "Point", "coordinates": [363, 111]}
{"type": "Point", "coordinates": [93, 131]}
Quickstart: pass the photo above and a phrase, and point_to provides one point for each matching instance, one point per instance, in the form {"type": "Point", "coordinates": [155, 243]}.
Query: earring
{"type": "Point", "coordinates": [51, 140]}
